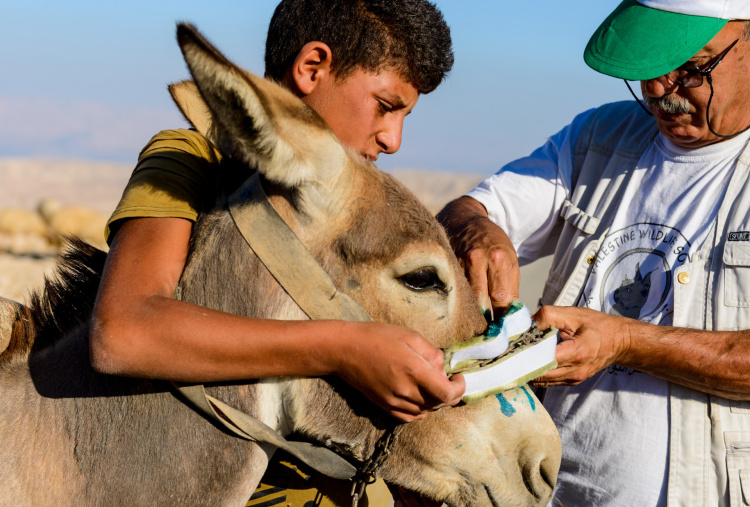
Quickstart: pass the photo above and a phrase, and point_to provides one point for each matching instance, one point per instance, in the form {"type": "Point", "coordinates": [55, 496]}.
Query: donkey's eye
{"type": "Point", "coordinates": [423, 279]}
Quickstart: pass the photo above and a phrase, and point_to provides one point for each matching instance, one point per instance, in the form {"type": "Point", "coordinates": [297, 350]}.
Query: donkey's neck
{"type": "Point", "coordinates": [121, 425]}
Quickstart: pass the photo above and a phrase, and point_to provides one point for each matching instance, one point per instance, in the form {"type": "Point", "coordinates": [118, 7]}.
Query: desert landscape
{"type": "Point", "coordinates": [42, 199]}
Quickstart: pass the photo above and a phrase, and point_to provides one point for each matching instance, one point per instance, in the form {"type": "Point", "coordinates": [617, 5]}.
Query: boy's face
{"type": "Point", "coordinates": [366, 111]}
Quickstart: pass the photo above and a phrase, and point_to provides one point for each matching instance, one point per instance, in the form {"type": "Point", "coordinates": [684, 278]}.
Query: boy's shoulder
{"type": "Point", "coordinates": [188, 141]}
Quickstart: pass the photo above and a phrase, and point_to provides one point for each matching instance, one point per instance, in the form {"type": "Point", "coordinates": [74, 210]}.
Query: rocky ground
{"type": "Point", "coordinates": [21, 273]}
{"type": "Point", "coordinates": [24, 184]}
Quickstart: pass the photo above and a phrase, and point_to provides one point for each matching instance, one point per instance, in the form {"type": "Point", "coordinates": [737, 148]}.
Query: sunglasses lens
{"type": "Point", "coordinates": [687, 77]}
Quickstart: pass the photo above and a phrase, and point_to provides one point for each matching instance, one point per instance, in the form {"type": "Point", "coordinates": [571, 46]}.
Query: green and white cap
{"type": "Point", "coordinates": [645, 39]}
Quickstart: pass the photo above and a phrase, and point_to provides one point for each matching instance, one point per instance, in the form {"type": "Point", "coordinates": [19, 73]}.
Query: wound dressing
{"type": "Point", "coordinates": [510, 353]}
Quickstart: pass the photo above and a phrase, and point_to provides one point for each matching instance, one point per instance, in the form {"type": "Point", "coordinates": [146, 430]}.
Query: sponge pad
{"type": "Point", "coordinates": [511, 352]}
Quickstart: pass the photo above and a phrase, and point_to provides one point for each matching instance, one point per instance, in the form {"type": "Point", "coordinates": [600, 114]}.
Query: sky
{"type": "Point", "coordinates": [87, 79]}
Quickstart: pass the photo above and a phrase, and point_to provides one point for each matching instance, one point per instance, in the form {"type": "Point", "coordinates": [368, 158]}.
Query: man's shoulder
{"type": "Point", "coordinates": [614, 123]}
{"type": "Point", "coordinates": [624, 106]}
{"type": "Point", "coordinates": [625, 110]}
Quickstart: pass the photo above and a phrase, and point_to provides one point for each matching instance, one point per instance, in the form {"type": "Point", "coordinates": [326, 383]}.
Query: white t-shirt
{"type": "Point", "coordinates": [614, 427]}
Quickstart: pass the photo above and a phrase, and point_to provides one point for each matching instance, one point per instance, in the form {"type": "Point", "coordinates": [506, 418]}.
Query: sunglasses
{"type": "Point", "coordinates": [690, 75]}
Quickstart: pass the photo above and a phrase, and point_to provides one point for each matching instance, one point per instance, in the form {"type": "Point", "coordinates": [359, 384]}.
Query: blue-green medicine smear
{"type": "Point", "coordinates": [530, 397]}
{"type": "Point", "coordinates": [494, 328]}
{"type": "Point", "coordinates": [505, 406]}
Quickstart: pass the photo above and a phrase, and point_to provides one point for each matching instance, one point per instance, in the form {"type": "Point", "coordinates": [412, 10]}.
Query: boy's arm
{"type": "Point", "coordinates": [139, 330]}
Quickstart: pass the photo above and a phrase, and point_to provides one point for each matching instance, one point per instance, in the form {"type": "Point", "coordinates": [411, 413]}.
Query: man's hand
{"type": "Point", "coordinates": [397, 369]}
{"type": "Point", "coordinates": [590, 341]}
{"type": "Point", "coordinates": [484, 251]}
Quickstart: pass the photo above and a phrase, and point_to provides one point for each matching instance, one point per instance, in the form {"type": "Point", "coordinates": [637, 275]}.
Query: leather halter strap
{"type": "Point", "coordinates": [297, 271]}
{"type": "Point", "coordinates": [288, 260]}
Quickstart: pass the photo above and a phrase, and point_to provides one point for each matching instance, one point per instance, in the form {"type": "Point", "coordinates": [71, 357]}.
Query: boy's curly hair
{"type": "Point", "coordinates": [408, 36]}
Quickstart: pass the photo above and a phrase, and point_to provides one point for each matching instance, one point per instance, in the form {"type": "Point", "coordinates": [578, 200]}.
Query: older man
{"type": "Point", "coordinates": [647, 211]}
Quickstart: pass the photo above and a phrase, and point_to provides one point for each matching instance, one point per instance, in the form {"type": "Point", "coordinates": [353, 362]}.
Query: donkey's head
{"type": "Point", "coordinates": [385, 250]}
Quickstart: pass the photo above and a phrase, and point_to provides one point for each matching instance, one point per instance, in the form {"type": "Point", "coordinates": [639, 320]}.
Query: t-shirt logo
{"type": "Point", "coordinates": [739, 236]}
{"type": "Point", "coordinates": [631, 296]}
{"type": "Point", "coordinates": [632, 272]}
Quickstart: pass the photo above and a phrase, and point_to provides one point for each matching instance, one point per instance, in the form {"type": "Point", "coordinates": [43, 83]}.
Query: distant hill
{"type": "Point", "coordinates": [99, 185]}
{"type": "Point", "coordinates": [436, 188]}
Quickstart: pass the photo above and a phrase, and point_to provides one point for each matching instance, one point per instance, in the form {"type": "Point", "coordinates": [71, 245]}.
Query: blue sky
{"type": "Point", "coordinates": [87, 79]}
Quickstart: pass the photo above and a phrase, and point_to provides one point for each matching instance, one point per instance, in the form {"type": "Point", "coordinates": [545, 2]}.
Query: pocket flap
{"type": "Point", "coordinates": [745, 485]}
{"type": "Point", "coordinates": [739, 407]}
{"type": "Point", "coordinates": [737, 253]}
{"type": "Point", "coordinates": [579, 218]}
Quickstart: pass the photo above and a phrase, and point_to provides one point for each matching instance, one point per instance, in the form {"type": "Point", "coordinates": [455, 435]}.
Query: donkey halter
{"type": "Point", "coordinates": [300, 275]}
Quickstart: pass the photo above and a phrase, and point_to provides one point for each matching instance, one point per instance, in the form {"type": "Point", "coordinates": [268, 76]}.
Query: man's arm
{"type": "Point", "coordinates": [484, 251]}
{"type": "Point", "coordinates": [715, 362]}
{"type": "Point", "coordinates": [709, 361]}
{"type": "Point", "coordinates": [139, 330]}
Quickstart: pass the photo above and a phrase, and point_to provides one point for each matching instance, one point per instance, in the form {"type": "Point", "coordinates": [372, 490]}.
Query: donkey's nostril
{"type": "Point", "coordinates": [540, 477]}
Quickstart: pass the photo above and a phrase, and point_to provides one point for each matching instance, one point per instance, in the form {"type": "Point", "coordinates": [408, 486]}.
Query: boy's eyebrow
{"type": "Point", "coordinates": [397, 102]}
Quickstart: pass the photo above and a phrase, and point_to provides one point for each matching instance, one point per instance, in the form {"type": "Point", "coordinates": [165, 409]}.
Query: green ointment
{"type": "Point", "coordinates": [505, 406]}
{"type": "Point", "coordinates": [530, 397]}
{"type": "Point", "coordinates": [494, 328]}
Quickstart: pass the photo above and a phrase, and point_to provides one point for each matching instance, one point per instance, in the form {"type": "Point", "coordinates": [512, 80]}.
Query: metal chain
{"type": "Point", "coordinates": [367, 474]}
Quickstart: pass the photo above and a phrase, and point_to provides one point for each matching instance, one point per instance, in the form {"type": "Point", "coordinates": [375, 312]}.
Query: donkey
{"type": "Point", "coordinates": [72, 436]}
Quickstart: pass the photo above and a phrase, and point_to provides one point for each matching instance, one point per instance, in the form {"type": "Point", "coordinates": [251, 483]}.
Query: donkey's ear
{"type": "Point", "coordinates": [192, 106]}
{"type": "Point", "coordinates": [258, 121]}
{"type": "Point", "coordinates": [189, 101]}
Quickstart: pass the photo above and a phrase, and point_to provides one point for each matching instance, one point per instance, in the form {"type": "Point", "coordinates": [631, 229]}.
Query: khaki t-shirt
{"type": "Point", "coordinates": [175, 177]}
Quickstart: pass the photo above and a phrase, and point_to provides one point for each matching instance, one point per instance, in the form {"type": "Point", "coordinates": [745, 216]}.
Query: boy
{"type": "Point", "coordinates": [361, 64]}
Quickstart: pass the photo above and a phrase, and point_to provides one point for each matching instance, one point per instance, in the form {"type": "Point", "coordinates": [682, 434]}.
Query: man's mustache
{"type": "Point", "coordinates": [672, 104]}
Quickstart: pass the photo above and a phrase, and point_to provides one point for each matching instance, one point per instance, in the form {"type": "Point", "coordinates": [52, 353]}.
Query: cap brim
{"type": "Point", "coordinates": [638, 43]}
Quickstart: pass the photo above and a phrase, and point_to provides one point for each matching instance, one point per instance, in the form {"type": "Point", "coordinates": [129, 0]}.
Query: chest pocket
{"type": "Point", "coordinates": [737, 274]}
{"type": "Point", "coordinates": [738, 467]}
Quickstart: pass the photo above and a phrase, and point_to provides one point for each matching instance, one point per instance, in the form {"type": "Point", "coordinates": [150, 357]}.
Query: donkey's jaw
{"type": "Point", "coordinates": [318, 410]}
{"type": "Point", "coordinates": [480, 458]}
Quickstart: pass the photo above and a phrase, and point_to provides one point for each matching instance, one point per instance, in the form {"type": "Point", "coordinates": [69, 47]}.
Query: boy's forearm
{"type": "Point", "coordinates": [209, 346]}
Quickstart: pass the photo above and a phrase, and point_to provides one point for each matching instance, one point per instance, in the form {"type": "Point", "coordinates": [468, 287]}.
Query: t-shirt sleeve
{"type": "Point", "coordinates": [174, 172]}
{"type": "Point", "coordinates": [525, 196]}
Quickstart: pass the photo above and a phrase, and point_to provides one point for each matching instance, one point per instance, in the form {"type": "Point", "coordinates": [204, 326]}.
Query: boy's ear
{"type": "Point", "coordinates": [313, 64]}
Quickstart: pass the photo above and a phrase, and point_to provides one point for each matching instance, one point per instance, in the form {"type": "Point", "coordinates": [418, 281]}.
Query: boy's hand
{"type": "Point", "coordinates": [398, 370]}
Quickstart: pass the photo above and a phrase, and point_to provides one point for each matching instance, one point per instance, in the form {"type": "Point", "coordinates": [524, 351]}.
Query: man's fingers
{"type": "Point", "coordinates": [548, 316]}
{"type": "Point", "coordinates": [566, 352]}
{"type": "Point", "coordinates": [503, 288]}
{"type": "Point", "coordinates": [503, 277]}
{"type": "Point", "coordinates": [476, 271]}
